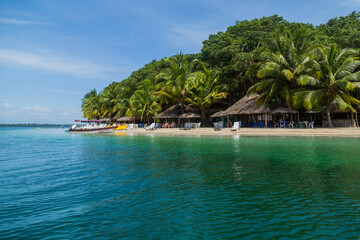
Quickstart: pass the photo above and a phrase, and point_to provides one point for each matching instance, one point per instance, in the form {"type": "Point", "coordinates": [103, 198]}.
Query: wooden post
{"type": "Point", "coordinates": [228, 120]}
{"type": "Point", "coordinates": [266, 120]}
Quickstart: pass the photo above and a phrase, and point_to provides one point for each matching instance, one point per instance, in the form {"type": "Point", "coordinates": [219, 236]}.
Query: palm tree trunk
{"type": "Point", "coordinates": [203, 116]}
{"type": "Point", "coordinates": [353, 120]}
{"type": "Point", "coordinates": [329, 117]}
{"type": "Point", "coordinates": [356, 120]}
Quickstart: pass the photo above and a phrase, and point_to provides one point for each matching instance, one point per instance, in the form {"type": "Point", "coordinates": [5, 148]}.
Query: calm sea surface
{"type": "Point", "coordinates": [56, 185]}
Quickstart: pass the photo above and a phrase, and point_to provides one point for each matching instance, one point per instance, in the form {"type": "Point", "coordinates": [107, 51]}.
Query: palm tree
{"type": "Point", "coordinates": [281, 60]}
{"type": "Point", "coordinates": [144, 102]}
{"type": "Point", "coordinates": [176, 80]}
{"type": "Point", "coordinates": [91, 105]}
{"type": "Point", "coordinates": [329, 80]}
{"type": "Point", "coordinates": [110, 99]}
{"type": "Point", "coordinates": [207, 90]}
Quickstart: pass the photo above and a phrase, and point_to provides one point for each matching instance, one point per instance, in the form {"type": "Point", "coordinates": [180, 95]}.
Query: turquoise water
{"type": "Point", "coordinates": [56, 185]}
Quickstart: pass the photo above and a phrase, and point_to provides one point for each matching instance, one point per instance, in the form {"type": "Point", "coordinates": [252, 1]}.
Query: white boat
{"type": "Point", "coordinates": [90, 126]}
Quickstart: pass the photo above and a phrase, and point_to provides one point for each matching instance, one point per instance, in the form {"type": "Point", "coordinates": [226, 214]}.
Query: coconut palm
{"type": "Point", "coordinates": [176, 81]}
{"type": "Point", "coordinates": [207, 90]}
{"type": "Point", "coordinates": [281, 60]}
{"type": "Point", "coordinates": [110, 99]}
{"type": "Point", "coordinates": [330, 80]}
{"type": "Point", "coordinates": [91, 105]}
{"type": "Point", "coordinates": [144, 102]}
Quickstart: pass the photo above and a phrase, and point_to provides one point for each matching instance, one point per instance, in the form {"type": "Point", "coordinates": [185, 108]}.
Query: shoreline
{"type": "Point", "coordinates": [281, 132]}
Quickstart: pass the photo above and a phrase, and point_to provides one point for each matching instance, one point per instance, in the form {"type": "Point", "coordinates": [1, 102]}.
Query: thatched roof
{"type": "Point", "coordinates": [125, 119]}
{"type": "Point", "coordinates": [239, 105]}
{"type": "Point", "coordinates": [283, 110]}
{"type": "Point", "coordinates": [104, 119]}
{"type": "Point", "coordinates": [190, 115]}
{"type": "Point", "coordinates": [218, 114]}
{"type": "Point", "coordinates": [174, 111]}
{"type": "Point", "coordinates": [335, 109]}
{"type": "Point", "coordinates": [247, 105]}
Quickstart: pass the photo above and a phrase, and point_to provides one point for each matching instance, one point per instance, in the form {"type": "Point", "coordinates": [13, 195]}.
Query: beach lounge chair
{"type": "Point", "coordinates": [151, 127]}
{"type": "Point", "coordinates": [218, 126]}
{"type": "Point", "coordinates": [188, 126]}
{"type": "Point", "coordinates": [311, 124]}
{"type": "Point", "coordinates": [235, 127]}
{"type": "Point", "coordinates": [130, 126]}
{"type": "Point", "coordinates": [157, 125]}
{"type": "Point", "coordinates": [291, 124]}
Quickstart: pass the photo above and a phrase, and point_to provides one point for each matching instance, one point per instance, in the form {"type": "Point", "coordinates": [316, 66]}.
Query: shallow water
{"type": "Point", "coordinates": [56, 185]}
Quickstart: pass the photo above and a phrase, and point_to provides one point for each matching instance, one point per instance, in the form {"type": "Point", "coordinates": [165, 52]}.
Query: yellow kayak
{"type": "Point", "coordinates": [121, 127]}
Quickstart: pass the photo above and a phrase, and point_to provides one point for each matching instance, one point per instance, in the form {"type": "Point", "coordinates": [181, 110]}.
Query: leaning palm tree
{"type": "Point", "coordinates": [330, 80]}
{"type": "Point", "coordinates": [91, 105]}
{"type": "Point", "coordinates": [110, 98]}
{"type": "Point", "coordinates": [281, 60]}
{"type": "Point", "coordinates": [176, 81]}
{"type": "Point", "coordinates": [144, 102]}
{"type": "Point", "coordinates": [207, 90]}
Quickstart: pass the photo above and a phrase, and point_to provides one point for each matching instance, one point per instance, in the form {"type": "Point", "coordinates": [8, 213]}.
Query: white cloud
{"type": "Point", "coordinates": [52, 63]}
{"type": "Point", "coordinates": [7, 105]}
{"type": "Point", "coordinates": [20, 22]}
{"type": "Point", "coordinates": [36, 108]}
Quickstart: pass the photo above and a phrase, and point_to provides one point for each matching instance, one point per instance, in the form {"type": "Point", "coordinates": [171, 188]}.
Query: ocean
{"type": "Point", "coordinates": [57, 185]}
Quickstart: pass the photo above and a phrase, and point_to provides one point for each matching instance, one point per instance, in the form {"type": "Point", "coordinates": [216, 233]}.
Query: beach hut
{"type": "Point", "coordinates": [339, 117]}
{"type": "Point", "coordinates": [247, 107]}
{"type": "Point", "coordinates": [125, 119]}
{"type": "Point", "coordinates": [283, 111]}
{"type": "Point", "coordinates": [105, 119]}
{"type": "Point", "coordinates": [190, 115]}
{"type": "Point", "coordinates": [170, 113]}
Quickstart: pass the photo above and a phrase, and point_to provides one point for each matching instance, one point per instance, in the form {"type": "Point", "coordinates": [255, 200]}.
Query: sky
{"type": "Point", "coordinates": [53, 52]}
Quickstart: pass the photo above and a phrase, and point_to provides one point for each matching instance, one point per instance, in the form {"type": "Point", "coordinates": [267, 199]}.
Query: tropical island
{"type": "Point", "coordinates": [292, 72]}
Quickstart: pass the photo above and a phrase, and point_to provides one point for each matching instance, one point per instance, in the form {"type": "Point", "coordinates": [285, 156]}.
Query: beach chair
{"type": "Point", "coordinates": [235, 127]}
{"type": "Point", "coordinates": [157, 125]}
{"type": "Point", "coordinates": [291, 124]}
{"type": "Point", "coordinates": [269, 124]}
{"type": "Point", "coordinates": [151, 127]}
{"type": "Point", "coordinates": [130, 127]}
{"type": "Point", "coordinates": [188, 126]}
{"type": "Point", "coordinates": [311, 124]}
{"type": "Point", "coordinates": [218, 126]}
{"type": "Point", "coordinates": [260, 124]}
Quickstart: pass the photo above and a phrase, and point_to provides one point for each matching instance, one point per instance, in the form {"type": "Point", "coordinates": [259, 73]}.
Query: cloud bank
{"type": "Point", "coordinates": [53, 63]}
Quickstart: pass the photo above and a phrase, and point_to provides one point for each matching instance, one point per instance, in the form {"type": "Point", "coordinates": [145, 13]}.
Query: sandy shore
{"type": "Point", "coordinates": [330, 132]}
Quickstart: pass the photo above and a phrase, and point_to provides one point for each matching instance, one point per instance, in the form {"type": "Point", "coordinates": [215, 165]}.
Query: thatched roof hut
{"type": "Point", "coordinates": [283, 110]}
{"type": "Point", "coordinates": [190, 115]}
{"type": "Point", "coordinates": [334, 108]}
{"type": "Point", "coordinates": [218, 114]}
{"type": "Point", "coordinates": [125, 119]}
{"type": "Point", "coordinates": [105, 119]}
{"type": "Point", "coordinates": [237, 107]}
{"type": "Point", "coordinates": [247, 106]}
{"type": "Point", "coordinates": [173, 111]}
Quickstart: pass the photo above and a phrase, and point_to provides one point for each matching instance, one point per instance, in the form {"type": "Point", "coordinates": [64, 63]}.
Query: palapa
{"type": "Point", "coordinates": [218, 114]}
{"type": "Point", "coordinates": [105, 119]}
{"type": "Point", "coordinates": [173, 111]}
{"type": "Point", "coordinates": [283, 110]}
{"type": "Point", "coordinates": [125, 119]}
{"type": "Point", "coordinates": [190, 115]}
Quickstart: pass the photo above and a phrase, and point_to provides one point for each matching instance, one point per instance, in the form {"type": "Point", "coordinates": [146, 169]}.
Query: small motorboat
{"type": "Point", "coordinates": [91, 126]}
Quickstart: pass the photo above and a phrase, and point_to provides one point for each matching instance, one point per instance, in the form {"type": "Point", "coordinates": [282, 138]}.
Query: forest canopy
{"type": "Point", "coordinates": [285, 62]}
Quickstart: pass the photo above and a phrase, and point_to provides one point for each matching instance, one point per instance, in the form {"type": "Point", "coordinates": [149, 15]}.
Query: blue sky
{"type": "Point", "coordinates": [53, 52]}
